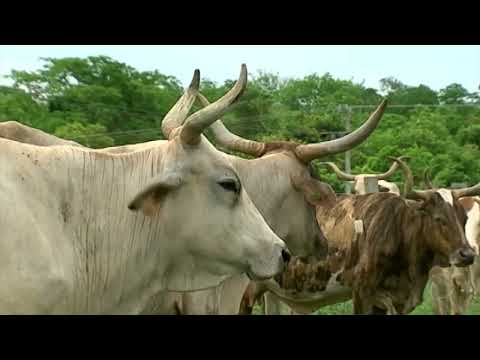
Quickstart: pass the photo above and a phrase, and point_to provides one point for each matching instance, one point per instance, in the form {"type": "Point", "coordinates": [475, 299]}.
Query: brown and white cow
{"type": "Point", "coordinates": [381, 246]}
{"type": "Point", "coordinates": [453, 288]}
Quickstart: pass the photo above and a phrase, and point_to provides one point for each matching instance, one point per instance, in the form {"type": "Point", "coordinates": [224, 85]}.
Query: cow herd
{"type": "Point", "coordinates": [177, 226]}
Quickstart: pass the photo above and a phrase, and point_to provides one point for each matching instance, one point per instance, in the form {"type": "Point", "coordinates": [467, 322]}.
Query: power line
{"type": "Point", "coordinates": [126, 110]}
{"type": "Point", "coordinates": [260, 124]}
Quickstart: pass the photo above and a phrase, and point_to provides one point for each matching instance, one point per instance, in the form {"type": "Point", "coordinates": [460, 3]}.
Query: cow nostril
{"type": "Point", "coordinates": [286, 255]}
{"type": "Point", "coordinates": [467, 255]}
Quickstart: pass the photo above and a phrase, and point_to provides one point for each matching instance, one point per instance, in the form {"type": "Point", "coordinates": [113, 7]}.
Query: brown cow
{"type": "Point", "coordinates": [386, 257]}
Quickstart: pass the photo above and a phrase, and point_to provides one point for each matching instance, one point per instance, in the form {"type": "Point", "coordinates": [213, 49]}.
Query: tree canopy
{"type": "Point", "coordinates": [100, 102]}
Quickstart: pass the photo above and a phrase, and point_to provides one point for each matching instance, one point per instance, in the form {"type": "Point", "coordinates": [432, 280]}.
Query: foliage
{"type": "Point", "coordinates": [91, 135]}
{"type": "Point", "coordinates": [101, 102]}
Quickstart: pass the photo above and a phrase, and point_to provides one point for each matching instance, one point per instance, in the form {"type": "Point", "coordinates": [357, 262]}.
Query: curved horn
{"type": "Point", "coordinates": [310, 152]}
{"type": "Point", "coordinates": [392, 169]}
{"type": "Point", "coordinates": [197, 122]}
{"type": "Point", "coordinates": [179, 111]}
{"type": "Point", "coordinates": [408, 191]}
{"type": "Point", "coordinates": [340, 174]}
{"type": "Point", "coordinates": [426, 179]}
{"type": "Point", "coordinates": [470, 191]}
{"type": "Point", "coordinates": [229, 140]}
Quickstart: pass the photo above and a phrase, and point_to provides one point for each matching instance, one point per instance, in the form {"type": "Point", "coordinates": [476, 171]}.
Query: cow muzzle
{"type": "Point", "coordinates": [263, 268]}
{"type": "Point", "coordinates": [464, 257]}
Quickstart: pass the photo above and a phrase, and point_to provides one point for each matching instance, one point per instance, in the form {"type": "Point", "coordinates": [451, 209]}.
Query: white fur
{"type": "Point", "coordinates": [472, 227]}
{"type": "Point", "coordinates": [392, 187]}
{"type": "Point", "coordinates": [446, 195]}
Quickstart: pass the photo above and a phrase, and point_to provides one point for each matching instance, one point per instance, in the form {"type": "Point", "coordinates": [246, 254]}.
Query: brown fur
{"type": "Point", "coordinates": [251, 295]}
{"type": "Point", "coordinates": [304, 274]}
{"type": "Point", "coordinates": [387, 266]}
{"type": "Point", "coordinates": [150, 206]}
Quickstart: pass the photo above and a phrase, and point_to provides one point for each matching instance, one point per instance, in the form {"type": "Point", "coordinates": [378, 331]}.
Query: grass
{"type": "Point", "coordinates": [425, 308]}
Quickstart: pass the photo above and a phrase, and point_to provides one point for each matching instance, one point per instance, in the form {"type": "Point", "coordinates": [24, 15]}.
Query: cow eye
{"type": "Point", "coordinates": [230, 185]}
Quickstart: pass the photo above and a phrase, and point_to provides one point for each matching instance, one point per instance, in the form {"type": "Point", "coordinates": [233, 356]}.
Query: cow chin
{"type": "Point", "coordinates": [263, 271]}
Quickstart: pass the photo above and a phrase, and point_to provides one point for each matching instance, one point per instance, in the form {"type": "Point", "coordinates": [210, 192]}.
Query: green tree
{"type": "Point", "coordinates": [453, 94]}
{"type": "Point", "coordinates": [91, 135]}
{"type": "Point", "coordinates": [100, 90]}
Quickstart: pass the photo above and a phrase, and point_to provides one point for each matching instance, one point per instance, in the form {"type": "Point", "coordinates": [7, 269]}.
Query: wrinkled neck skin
{"type": "Point", "coordinates": [113, 259]}
{"type": "Point", "coordinates": [284, 209]}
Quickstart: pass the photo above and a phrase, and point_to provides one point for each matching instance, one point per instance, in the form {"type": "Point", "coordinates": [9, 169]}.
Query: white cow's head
{"type": "Point", "coordinates": [368, 183]}
{"type": "Point", "coordinates": [270, 179]}
{"type": "Point", "coordinates": [197, 197]}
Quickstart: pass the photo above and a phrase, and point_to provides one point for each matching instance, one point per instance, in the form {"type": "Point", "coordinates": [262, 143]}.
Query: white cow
{"type": "Point", "coordinates": [368, 183]}
{"type": "Point", "coordinates": [85, 231]}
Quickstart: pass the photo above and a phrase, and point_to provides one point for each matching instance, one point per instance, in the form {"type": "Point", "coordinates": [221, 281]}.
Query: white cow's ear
{"type": "Point", "coordinates": [149, 199]}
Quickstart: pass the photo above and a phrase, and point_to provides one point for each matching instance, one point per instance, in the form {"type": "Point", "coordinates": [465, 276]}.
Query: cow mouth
{"type": "Point", "coordinates": [255, 277]}
{"type": "Point", "coordinates": [464, 263]}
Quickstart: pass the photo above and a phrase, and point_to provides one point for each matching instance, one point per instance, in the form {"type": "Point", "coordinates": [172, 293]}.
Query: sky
{"type": "Point", "coordinates": [434, 66]}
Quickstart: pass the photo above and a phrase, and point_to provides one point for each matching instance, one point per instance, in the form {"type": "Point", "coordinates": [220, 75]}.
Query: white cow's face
{"type": "Point", "coordinates": [201, 202]}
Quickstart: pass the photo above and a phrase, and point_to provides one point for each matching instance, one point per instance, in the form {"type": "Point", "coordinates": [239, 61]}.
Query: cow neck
{"type": "Point", "coordinates": [118, 251]}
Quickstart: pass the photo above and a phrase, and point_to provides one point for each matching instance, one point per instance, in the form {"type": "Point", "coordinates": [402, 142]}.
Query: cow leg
{"type": "Point", "coordinates": [359, 304]}
{"type": "Point", "coordinates": [384, 304]}
{"type": "Point", "coordinates": [441, 301]}
{"type": "Point", "coordinates": [272, 304]}
{"type": "Point", "coordinates": [250, 296]}
{"type": "Point", "coordinates": [178, 311]}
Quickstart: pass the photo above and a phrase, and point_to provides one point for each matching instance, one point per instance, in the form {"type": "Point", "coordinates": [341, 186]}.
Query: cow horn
{"type": "Point", "coordinates": [390, 171]}
{"type": "Point", "coordinates": [229, 140]}
{"type": "Point", "coordinates": [409, 193]}
{"type": "Point", "coordinates": [340, 174]}
{"type": "Point", "coordinates": [198, 121]}
{"type": "Point", "coordinates": [310, 152]}
{"type": "Point", "coordinates": [179, 111]}
{"type": "Point", "coordinates": [470, 191]}
{"type": "Point", "coordinates": [426, 179]}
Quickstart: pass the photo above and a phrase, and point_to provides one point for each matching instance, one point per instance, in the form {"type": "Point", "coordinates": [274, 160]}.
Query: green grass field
{"type": "Point", "coordinates": [424, 309]}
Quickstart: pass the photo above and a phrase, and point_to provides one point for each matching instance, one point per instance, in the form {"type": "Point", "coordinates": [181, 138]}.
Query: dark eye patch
{"type": "Point", "coordinates": [230, 185]}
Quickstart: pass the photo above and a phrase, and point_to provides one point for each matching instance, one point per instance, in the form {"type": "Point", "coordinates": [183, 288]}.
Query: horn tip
{"type": "Point", "coordinates": [195, 83]}
{"type": "Point", "coordinates": [243, 73]}
{"type": "Point", "coordinates": [383, 104]}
